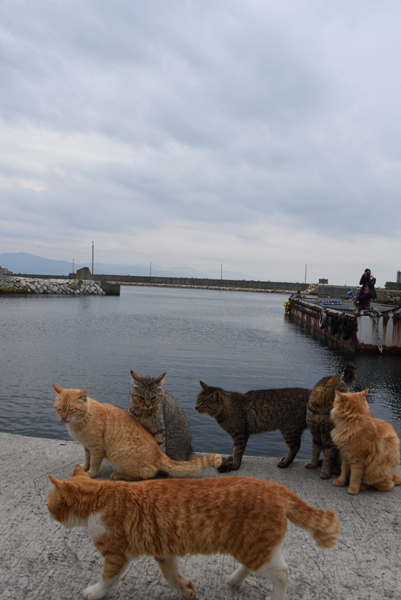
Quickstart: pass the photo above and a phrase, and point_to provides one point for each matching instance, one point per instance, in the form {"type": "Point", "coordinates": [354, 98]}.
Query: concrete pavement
{"type": "Point", "coordinates": [40, 559]}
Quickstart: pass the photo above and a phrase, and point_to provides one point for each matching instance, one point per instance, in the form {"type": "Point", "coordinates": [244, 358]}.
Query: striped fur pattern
{"type": "Point", "coordinates": [370, 448]}
{"type": "Point", "coordinates": [257, 411]}
{"type": "Point", "coordinates": [106, 431]}
{"type": "Point", "coordinates": [166, 519]}
{"type": "Point", "coordinates": [161, 415]}
{"type": "Point", "coordinates": [320, 423]}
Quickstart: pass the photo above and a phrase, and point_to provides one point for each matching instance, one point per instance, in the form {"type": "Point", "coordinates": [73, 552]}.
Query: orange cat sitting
{"type": "Point", "coordinates": [241, 516]}
{"type": "Point", "coordinates": [106, 431]}
{"type": "Point", "coordinates": [370, 448]}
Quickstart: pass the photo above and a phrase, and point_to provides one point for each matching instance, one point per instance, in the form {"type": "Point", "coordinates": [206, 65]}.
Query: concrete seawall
{"type": "Point", "coordinates": [41, 560]}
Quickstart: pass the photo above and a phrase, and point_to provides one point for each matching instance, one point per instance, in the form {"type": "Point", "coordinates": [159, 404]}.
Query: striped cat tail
{"type": "Point", "coordinates": [349, 374]}
{"type": "Point", "coordinates": [322, 524]}
{"type": "Point", "coordinates": [188, 467]}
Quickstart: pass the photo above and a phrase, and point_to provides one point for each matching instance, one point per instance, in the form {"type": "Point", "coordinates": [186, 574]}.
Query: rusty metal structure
{"type": "Point", "coordinates": [374, 330]}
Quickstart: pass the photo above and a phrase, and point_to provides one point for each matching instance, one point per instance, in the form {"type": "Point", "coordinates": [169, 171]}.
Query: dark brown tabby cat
{"type": "Point", "coordinates": [257, 411]}
{"type": "Point", "coordinates": [319, 420]}
{"type": "Point", "coordinates": [106, 431]}
{"type": "Point", "coordinates": [240, 516]}
{"type": "Point", "coordinates": [161, 415]}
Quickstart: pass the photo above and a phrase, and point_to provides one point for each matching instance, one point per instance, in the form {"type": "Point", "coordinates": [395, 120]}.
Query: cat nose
{"type": "Point", "coordinates": [64, 420]}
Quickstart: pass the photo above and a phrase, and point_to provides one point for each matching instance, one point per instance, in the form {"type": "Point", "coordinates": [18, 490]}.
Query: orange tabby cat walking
{"type": "Point", "coordinates": [241, 516]}
{"type": "Point", "coordinates": [106, 431]}
{"type": "Point", "coordinates": [370, 448]}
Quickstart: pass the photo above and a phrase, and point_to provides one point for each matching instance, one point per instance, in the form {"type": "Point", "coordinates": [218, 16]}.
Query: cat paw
{"type": "Point", "coordinates": [310, 465]}
{"type": "Point", "coordinates": [338, 483]}
{"type": "Point", "coordinates": [94, 592]}
{"type": "Point", "coordinates": [186, 587]}
{"type": "Point", "coordinates": [283, 463]}
{"type": "Point", "coordinates": [225, 467]}
{"type": "Point", "coordinates": [325, 475]}
{"type": "Point", "coordinates": [353, 491]}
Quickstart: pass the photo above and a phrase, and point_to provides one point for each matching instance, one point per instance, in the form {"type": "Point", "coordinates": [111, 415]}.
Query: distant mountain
{"type": "Point", "coordinates": [30, 264]}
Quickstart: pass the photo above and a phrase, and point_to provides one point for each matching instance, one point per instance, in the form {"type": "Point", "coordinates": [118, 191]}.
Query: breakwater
{"type": "Point", "coordinates": [62, 287]}
{"type": "Point", "coordinates": [194, 282]}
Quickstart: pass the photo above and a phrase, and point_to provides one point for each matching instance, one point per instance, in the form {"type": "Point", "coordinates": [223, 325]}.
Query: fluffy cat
{"type": "Point", "coordinates": [106, 431]}
{"type": "Point", "coordinates": [257, 411]}
{"type": "Point", "coordinates": [241, 516]}
{"type": "Point", "coordinates": [161, 415]}
{"type": "Point", "coordinates": [370, 448]}
{"type": "Point", "coordinates": [319, 420]}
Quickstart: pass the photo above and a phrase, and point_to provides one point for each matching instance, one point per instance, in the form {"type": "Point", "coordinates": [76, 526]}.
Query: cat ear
{"type": "Point", "coordinates": [160, 379]}
{"type": "Point", "coordinates": [365, 392]}
{"type": "Point", "coordinates": [58, 483]}
{"type": "Point", "coordinates": [83, 395]}
{"type": "Point", "coordinates": [338, 395]}
{"type": "Point", "coordinates": [134, 376]}
{"type": "Point", "coordinates": [203, 385]}
{"type": "Point", "coordinates": [57, 388]}
{"type": "Point", "coordinates": [78, 470]}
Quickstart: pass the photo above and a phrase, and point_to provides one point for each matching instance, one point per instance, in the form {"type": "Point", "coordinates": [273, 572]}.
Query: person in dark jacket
{"type": "Point", "coordinates": [367, 291]}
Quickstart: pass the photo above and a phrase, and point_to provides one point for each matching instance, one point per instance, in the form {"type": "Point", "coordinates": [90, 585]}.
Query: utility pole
{"type": "Point", "coordinates": [306, 269]}
{"type": "Point", "coordinates": [93, 255]}
{"type": "Point", "coordinates": [150, 269]}
{"type": "Point", "coordinates": [73, 266]}
{"type": "Point", "coordinates": [221, 272]}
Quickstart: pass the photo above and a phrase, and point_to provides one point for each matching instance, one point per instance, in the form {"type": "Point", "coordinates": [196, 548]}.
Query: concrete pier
{"type": "Point", "coordinates": [42, 560]}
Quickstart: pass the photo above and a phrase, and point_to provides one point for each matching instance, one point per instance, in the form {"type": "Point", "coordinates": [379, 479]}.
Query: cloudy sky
{"type": "Point", "coordinates": [257, 134]}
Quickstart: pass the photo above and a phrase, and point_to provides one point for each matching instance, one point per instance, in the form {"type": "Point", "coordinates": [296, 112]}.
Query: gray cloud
{"type": "Point", "coordinates": [228, 130]}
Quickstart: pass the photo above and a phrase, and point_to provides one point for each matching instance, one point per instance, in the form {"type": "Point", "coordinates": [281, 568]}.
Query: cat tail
{"type": "Point", "coordinates": [396, 479]}
{"type": "Point", "coordinates": [188, 467]}
{"type": "Point", "coordinates": [322, 524]}
{"type": "Point", "coordinates": [349, 374]}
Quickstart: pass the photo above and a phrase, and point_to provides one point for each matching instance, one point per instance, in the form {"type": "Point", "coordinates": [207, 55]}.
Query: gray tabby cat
{"type": "Point", "coordinates": [320, 423]}
{"type": "Point", "coordinates": [161, 415]}
{"type": "Point", "coordinates": [242, 415]}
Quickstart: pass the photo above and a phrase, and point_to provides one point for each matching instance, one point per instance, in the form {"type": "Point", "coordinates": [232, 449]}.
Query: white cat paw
{"type": "Point", "coordinates": [186, 587]}
{"type": "Point", "coordinates": [94, 592]}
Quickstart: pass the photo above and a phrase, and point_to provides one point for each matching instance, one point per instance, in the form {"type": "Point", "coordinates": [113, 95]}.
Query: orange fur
{"type": "Point", "coordinates": [106, 431]}
{"type": "Point", "coordinates": [370, 448]}
{"type": "Point", "coordinates": [241, 516]}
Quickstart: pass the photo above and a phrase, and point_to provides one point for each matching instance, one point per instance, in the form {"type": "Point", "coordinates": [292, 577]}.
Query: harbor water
{"type": "Point", "coordinates": [236, 340]}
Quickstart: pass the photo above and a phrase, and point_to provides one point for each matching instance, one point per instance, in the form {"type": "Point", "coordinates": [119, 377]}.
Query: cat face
{"type": "Point", "coordinates": [209, 400]}
{"type": "Point", "coordinates": [70, 405]}
{"type": "Point", "coordinates": [147, 392]}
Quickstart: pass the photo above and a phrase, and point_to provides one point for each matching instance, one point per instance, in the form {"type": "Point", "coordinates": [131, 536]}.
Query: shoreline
{"type": "Point", "coordinates": [43, 560]}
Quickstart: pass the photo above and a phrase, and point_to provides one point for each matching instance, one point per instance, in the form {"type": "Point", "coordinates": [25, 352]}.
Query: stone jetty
{"type": "Point", "coordinates": [61, 287]}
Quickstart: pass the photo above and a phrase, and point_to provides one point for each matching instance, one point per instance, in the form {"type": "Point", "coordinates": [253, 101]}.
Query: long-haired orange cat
{"type": "Point", "coordinates": [106, 431]}
{"type": "Point", "coordinates": [370, 448]}
{"type": "Point", "coordinates": [241, 516]}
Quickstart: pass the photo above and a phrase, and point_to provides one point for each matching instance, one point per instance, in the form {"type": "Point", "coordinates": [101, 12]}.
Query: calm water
{"type": "Point", "coordinates": [235, 340]}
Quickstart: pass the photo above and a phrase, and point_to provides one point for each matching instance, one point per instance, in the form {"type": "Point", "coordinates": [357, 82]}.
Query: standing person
{"type": "Point", "coordinates": [367, 291]}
